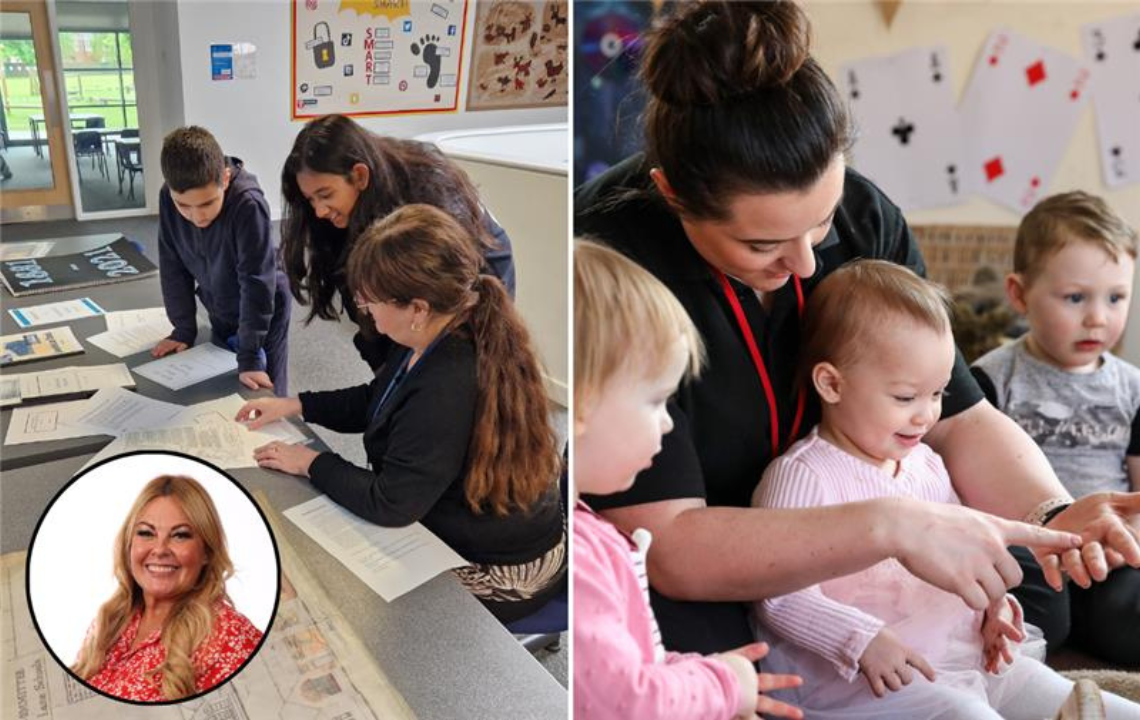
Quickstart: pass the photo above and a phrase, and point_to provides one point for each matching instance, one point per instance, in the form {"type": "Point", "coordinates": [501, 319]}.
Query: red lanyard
{"type": "Point", "coordinates": [758, 361]}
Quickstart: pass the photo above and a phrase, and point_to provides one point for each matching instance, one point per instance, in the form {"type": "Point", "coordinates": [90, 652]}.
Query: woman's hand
{"type": "Point", "coordinates": [262, 411]}
{"type": "Point", "coordinates": [753, 685]}
{"type": "Point", "coordinates": [963, 551]}
{"type": "Point", "coordinates": [1110, 526]}
{"type": "Point", "coordinates": [888, 664]}
{"type": "Point", "coordinates": [292, 459]}
{"type": "Point", "coordinates": [1001, 627]}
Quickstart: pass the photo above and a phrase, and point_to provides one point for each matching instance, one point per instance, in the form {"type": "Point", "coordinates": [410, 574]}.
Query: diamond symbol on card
{"type": "Point", "coordinates": [1035, 73]}
{"type": "Point", "coordinates": [994, 169]}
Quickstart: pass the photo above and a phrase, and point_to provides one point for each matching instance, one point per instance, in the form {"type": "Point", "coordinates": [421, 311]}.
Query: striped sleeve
{"type": "Point", "coordinates": [836, 632]}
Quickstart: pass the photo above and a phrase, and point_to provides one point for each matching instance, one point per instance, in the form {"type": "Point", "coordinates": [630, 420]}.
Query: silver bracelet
{"type": "Point", "coordinates": [1046, 510]}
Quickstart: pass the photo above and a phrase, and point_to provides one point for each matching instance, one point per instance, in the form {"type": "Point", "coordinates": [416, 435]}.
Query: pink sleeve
{"type": "Point", "coordinates": [614, 677]}
{"type": "Point", "coordinates": [836, 632]}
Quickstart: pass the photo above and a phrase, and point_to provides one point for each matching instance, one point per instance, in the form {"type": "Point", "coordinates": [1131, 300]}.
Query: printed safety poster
{"type": "Point", "coordinates": [376, 57]}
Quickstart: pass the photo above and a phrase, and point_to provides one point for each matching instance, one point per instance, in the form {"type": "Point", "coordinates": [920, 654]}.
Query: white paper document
{"type": "Point", "coordinates": [133, 331]}
{"type": "Point", "coordinates": [56, 312]}
{"type": "Point", "coordinates": [25, 250]}
{"type": "Point", "coordinates": [66, 381]}
{"type": "Point", "coordinates": [207, 431]}
{"type": "Point", "coordinates": [119, 319]}
{"type": "Point", "coordinates": [391, 561]}
{"type": "Point", "coordinates": [115, 411]}
{"type": "Point", "coordinates": [38, 423]}
{"type": "Point", "coordinates": [226, 409]}
{"type": "Point", "coordinates": [181, 370]}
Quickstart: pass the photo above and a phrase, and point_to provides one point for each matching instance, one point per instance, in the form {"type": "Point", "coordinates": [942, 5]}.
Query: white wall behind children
{"type": "Point", "coordinates": [846, 31]}
{"type": "Point", "coordinates": [250, 117]}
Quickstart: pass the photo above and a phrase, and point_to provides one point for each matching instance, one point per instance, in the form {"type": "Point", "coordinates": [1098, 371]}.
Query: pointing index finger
{"type": "Point", "coordinates": [1019, 533]}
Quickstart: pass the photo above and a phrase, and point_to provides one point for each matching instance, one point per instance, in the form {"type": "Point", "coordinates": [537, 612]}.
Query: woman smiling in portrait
{"type": "Point", "coordinates": [170, 630]}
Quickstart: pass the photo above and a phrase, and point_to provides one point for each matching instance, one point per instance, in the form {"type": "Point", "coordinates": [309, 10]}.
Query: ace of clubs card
{"type": "Point", "coordinates": [909, 139]}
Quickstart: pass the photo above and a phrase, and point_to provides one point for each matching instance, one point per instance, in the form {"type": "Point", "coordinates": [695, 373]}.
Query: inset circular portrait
{"type": "Point", "coordinates": [153, 577]}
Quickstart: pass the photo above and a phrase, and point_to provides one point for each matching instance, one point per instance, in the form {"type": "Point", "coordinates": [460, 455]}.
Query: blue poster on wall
{"type": "Point", "coordinates": [222, 62]}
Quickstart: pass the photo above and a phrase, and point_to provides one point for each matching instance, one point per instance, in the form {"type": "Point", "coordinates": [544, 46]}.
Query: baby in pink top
{"type": "Point", "coordinates": [633, 343]}
{"type": "Point", "coordinates": [878, 349]}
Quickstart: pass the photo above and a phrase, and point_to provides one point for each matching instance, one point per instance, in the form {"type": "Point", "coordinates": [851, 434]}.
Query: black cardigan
{"type": "Point", "coordinates": [417, 448]}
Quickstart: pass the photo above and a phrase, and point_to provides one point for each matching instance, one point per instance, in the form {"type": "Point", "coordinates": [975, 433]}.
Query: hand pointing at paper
{"type": "Point", "coordinates": [262, 411]}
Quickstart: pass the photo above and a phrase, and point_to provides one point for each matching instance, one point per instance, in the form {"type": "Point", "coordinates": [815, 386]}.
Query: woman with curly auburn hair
{"type": "Point", "coordinates": [170, 630]}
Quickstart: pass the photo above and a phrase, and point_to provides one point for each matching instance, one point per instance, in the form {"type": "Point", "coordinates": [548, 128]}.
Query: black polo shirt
{"type": "Point", "coordinates": [721, 443]}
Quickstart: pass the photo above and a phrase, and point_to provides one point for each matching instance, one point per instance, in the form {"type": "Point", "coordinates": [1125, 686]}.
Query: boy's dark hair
{"type": "Point", "coordinates": [191, 158]}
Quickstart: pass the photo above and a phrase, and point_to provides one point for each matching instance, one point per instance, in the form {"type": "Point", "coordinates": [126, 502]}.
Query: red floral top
{"type": "Point", "coordinates": [124, 672]}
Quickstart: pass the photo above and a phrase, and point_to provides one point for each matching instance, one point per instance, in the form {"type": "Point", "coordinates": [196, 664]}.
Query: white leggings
{"type": "Point", "coordinates": [1029, 690]}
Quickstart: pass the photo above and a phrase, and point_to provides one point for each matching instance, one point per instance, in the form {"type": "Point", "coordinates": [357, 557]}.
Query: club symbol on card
{"type": "Point", "coordinates": [1035, 73]}
{"type": "Point", "coordinates": [952, 177]}
{"type": "Point", "coordinates": [935, 68]}
{"type": "Point", "coordinates": [993, 168]}
{"type": "Point", "coordinates": [903, 130]}
{"type": "Point", "coordinates": [1117, 153]}
{"type": "Point", "coordinates": [1098, 43]}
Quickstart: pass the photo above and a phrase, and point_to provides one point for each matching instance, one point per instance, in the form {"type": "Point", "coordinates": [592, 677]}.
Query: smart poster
{"type": "Point", "coordinates": [376, 57]}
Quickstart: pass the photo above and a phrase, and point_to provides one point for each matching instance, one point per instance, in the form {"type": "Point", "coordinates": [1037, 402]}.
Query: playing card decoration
{"type": "Point", "coordinates": [1112, 50]}
{"type": "Point", "coordinates": [1019, 113]}
{"type": "Point", "coordinates": [909, 138]}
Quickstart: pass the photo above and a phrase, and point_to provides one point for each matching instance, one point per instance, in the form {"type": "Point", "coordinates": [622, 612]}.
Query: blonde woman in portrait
{"type": "Point", "coordinates": [169, 631]}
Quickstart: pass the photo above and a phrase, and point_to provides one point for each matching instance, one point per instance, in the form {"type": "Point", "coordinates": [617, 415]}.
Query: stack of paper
{"type": "Point", "coordinates": [133, 331]}
{"type": "Point", "coordinates": [75, 380]}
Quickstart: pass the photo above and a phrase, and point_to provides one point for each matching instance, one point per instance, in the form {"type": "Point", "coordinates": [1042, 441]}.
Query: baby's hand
{"type": "Point", "coordinates": [753, 685]}
{"type": "Point", "coordinates": [1001, 626]}
{"type": "Point", "coordinates": [889, 665]}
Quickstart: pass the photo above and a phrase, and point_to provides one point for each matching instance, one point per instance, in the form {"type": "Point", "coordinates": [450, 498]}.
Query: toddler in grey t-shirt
{"type": "Point", "coordinates": [1073, 265]}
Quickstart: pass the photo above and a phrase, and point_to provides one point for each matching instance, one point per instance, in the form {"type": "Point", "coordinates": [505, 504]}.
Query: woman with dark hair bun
{"type": "Point", "coordinates": [338, 179]}
{"type": "Point", "coordinates": [741, 204]}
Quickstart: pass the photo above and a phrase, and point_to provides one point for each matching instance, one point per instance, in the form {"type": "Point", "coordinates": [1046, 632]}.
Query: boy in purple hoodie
{"type": "Point", "coordinates": [214, 242]}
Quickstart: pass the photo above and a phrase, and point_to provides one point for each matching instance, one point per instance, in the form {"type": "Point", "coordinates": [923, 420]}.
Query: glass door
{"type": "Point", "coordinates": [97, 64]}
{"type": "Point", "coordinates": [33, 161]}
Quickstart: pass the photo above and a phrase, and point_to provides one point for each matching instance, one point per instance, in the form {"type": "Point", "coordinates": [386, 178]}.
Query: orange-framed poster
{"type": "Point", "coordinates": [376, 57]}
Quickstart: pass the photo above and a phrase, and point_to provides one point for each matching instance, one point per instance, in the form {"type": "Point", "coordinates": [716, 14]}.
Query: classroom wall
{"type": "Point", "coordinates": [846, 31]}
{"type": "Point", "coordinates": [250, 118]}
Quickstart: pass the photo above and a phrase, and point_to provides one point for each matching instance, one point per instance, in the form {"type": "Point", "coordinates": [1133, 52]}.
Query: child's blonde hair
{"type": "Point", "coordinates": [624, 317]}
{"type": "Point", "coordinates": [1069, 217]}
{"type": "Point", "coordinates": [847, 307]}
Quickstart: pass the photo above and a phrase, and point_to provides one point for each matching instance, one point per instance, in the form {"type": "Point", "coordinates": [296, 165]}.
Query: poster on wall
{"type": "Point", "coordinates": [376, 57]}
{"type": "Point", "coordinates": [518, 56]}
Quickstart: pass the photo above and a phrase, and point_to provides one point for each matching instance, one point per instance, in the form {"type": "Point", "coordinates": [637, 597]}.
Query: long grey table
{"type": "Point", "coordinates": [442, 650]}
{"type": "Point", "coordinates": [130, 295]}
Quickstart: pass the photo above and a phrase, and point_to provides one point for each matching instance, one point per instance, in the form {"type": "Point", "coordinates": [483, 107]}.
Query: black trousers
{"type": "Point", "coordinates": [1103, 621]}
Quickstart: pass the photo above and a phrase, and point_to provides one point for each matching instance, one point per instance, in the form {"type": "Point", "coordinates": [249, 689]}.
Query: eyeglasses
{"type": "Point", "coordinates": [362, 304]}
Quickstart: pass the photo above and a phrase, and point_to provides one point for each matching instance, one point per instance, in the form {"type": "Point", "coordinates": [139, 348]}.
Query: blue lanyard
{"type": "Point", "coordinates": [402, 373]}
